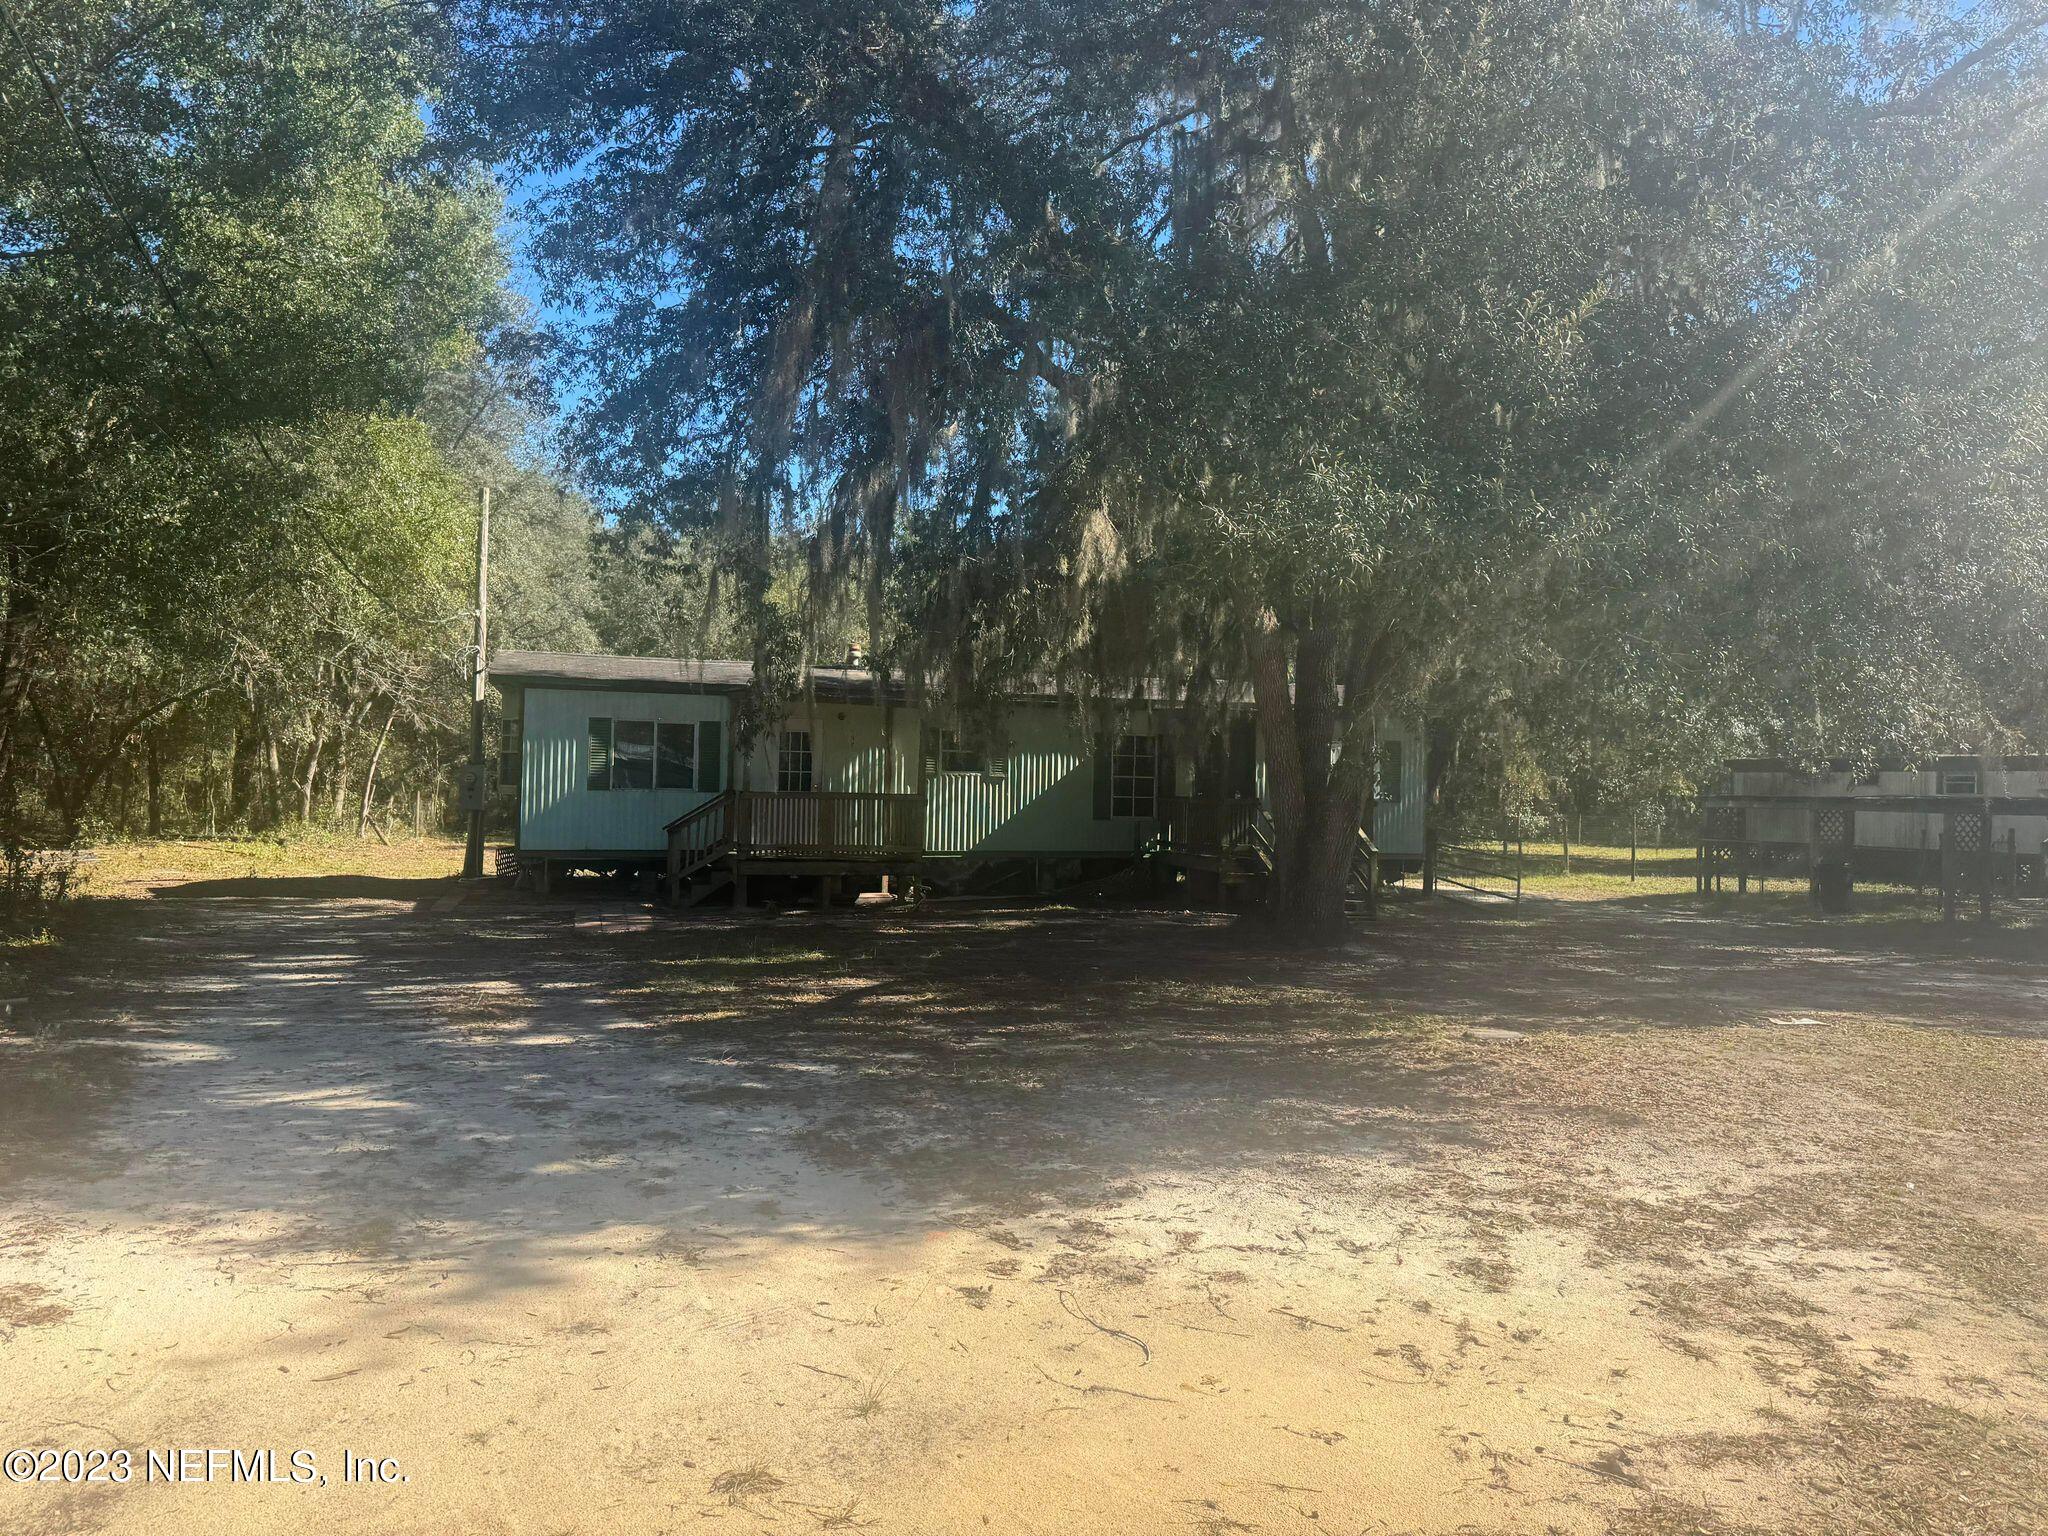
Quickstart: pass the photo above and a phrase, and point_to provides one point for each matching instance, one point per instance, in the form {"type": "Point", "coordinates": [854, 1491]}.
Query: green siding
{"type": "Point", "coordinates": [558, 813]}
{"type": "Point", "coordinates": [1042, 803]}
{"type": "Point", "coordinates": [1397, 824]}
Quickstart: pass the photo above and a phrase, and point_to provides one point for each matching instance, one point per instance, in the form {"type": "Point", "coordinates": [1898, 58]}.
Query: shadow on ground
{"type": "Point", "coordinates": [314, 887]}
{"type": "Point", "coordinates": [383, 1079]}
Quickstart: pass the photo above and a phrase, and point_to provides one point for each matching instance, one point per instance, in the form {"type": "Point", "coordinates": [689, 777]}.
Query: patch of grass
{"type": "Point", "coordinates": [114, 874]}
{"type": "Point", "coordinates": [134, 868]}
{"type": "Point", "coordinates": [743, 1483]}
{"type": "Point", "coordinates": [1664, 878]}
{"type": "Point", "coordinates": [1601, 872]}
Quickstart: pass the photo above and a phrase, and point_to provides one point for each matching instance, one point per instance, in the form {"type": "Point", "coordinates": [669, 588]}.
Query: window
{"type": "Point", "coordinates": [1386, 771]}
{"type": "Point", "coordinates": [632, 754]}
{"type": "Point", "coordinates": [793, 763]}
{"type": "Point", "coordinates": [1134, 776]}
{"type": "Point", "coordinates": [508, 752]}
{"type": "Point", "coordinates": [955, 756]}
{"type": "Point", "coordinates": [675, 755]}
{"type": "Point", "coordinates": [1959, 781]}
{"type": "Point", "coordinates": [639, 754]}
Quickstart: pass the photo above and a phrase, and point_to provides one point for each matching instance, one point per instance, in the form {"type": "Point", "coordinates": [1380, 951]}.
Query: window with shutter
{"type": "Point", "coordinates": [600, 762]}
{"type": "Point", "coordinates": [710, 757]}
{"type": "Point", "coordinates": [1134, 776]}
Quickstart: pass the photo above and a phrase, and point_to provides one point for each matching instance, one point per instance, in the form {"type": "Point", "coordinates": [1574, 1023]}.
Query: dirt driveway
{"type": "Point", "coordinates": [1594, 1219]}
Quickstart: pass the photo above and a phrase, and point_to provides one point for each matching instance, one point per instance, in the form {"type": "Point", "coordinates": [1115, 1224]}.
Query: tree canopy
{"type": "Point", "coordinates": [1618, 383]}
{"type": "Point", "coordinates": [231, 271]}
{"type": "Point", "coordinates": [1333, 347]}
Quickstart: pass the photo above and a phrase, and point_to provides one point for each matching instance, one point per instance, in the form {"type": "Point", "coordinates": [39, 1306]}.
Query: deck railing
{"type": "Point", "coordinates": [1205, 825]}
{"type": "Point", "coordinates": [828, 824]}
{"type": "Point", "coordinates": [821, 825]}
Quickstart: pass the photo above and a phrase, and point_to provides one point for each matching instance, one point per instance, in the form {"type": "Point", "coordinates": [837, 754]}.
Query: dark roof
{"type": "Point", "coordinates": [667, 674]}
{"type": "Point", "coordinates": [2020, 761]}
{"type": "Point", "coordinates": [577, 669]}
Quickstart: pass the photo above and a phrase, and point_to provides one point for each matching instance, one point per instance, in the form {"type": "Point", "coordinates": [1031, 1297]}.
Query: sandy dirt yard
{"type": "Point", "coordinates": [1618, 1217]}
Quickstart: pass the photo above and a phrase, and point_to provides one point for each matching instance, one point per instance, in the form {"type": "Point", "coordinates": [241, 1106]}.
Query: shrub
{"type": "Point", "coordinates": [34, 882]}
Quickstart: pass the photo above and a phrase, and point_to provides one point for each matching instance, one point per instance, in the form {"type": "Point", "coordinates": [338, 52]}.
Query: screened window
{"type": "Point", "coordinates": [1959, 781]}
{"type": "Point", "coordinates": [675, 755]}
{"type": "Point", "coordinates": [1134, 776]}
{"type": "Point", "coordinates": [793, 763]}
{"type": "Point", "coordinates": [508, 752]}
{"type": "Point", "coordinates": [955, 756]}
{"type": "Point", "coordinates": [1387, 768]}
{"type": "Point", "coordinates": [633, 754]}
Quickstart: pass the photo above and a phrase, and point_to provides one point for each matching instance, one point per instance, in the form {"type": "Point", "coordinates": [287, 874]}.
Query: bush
{"type": "Point", "coordinates": [34, 882]}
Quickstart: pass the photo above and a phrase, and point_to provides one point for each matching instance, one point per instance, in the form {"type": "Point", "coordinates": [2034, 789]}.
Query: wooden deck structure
{"type": "Point", "coordinates": [822, 833]}
{"type": "Point", "coordinates": [1961, 851]}
{"type": "Point", "coordinates": [1225, 848]}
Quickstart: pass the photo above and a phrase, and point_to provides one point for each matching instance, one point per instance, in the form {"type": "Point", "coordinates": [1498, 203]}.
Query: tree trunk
{"type": "Point", "coordinates": [273, 776]}
{"type": "Point", "coordinates": [17, 643]}
{"type": "Point", "coordinates": [370, 774]}
{"type": "Point", "coordinates": [81, 776]}
{"type": "Point", "coordinates": [124, 794]}
{"type": "Point", "coordinates": [341, 772]}
{"type": "Point", "coordinates": [153, 769]}
{"type": "Point", "coordinates": [1316, 801]}
{"type": "Point", "coordinates": [312, 773]}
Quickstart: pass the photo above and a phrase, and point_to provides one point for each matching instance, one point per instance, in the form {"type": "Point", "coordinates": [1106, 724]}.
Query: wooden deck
{"type": "Point", "coordinates": [1204, 830]}
{"type": "Point", "coordinates": [813, 832]}
{"type": "Point", "coordinates": [1224, 848]}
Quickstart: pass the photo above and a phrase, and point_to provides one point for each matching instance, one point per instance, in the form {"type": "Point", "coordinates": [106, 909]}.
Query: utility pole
{"type": "Point", "coordinates": [473, 856]}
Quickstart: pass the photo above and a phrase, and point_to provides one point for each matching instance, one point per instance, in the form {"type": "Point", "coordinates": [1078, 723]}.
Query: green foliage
{"type": "Point", "coordinates": [1343, 347]}
{"type": "Point", "coordinates": [229, 271]}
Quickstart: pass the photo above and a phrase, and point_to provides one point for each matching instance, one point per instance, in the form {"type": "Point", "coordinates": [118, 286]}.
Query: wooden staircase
{"type": "Point", "coordinates": [1362, 895]}
{"type": "Point", "coordinates": [701, 850]}
{"type": "Point", "coordinates": [1243, 854]}
{"type": "Point", "coordinates": [1362, 890]}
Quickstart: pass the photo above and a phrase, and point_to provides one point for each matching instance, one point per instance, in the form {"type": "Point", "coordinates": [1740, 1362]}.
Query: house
{"type": "Point", "coordinates": [1895, 821]}
{"type": "Point", "coordinates": [625, 762]}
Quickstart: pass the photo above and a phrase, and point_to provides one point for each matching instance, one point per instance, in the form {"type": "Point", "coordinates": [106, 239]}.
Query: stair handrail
{"type": "Point", "coordinates": [685, 861]}
{"type": "Point", "coordinates": [696, 812]}
{"type": "Point", "coordinates": [1365, 868]}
